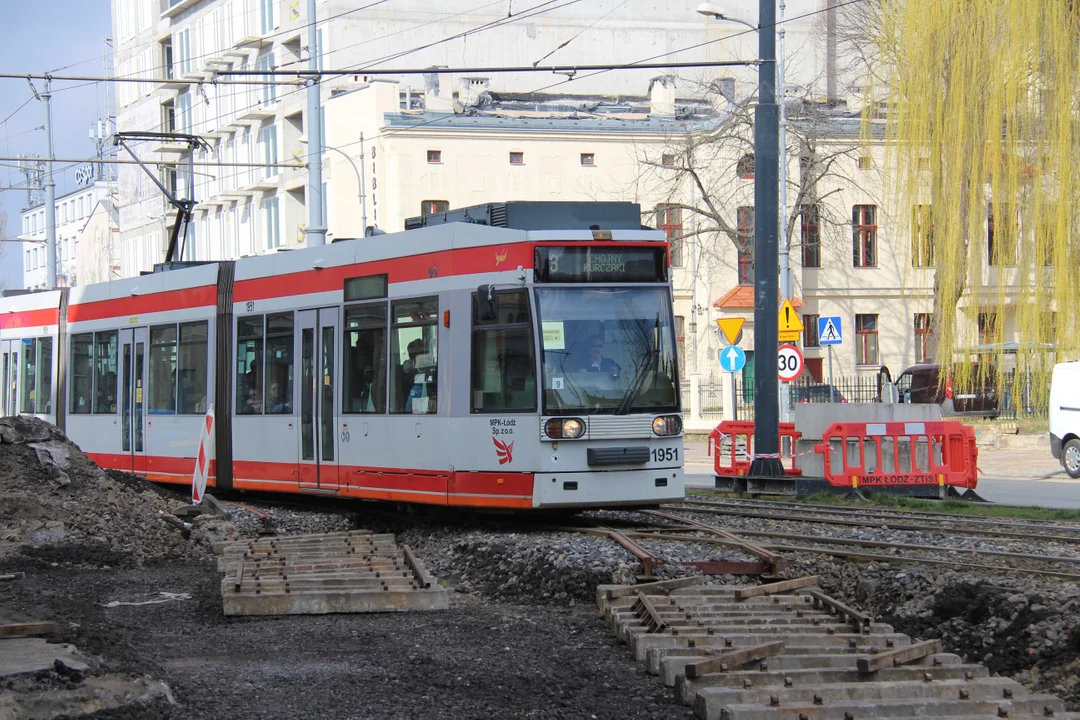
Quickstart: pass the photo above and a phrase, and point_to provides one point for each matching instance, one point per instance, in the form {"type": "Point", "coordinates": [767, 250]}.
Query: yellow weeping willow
{"type": "Point", "coordinates": [984, 106]}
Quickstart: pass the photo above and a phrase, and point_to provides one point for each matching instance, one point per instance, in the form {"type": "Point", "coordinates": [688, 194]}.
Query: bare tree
{"type": "Point", "coordinates": [706, 174]}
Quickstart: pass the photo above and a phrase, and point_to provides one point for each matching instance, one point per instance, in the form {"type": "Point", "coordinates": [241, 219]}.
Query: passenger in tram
{"type": "Point", "coordinates": [278, 403]}
{"type": "Point", "coordinates": [106, 401]}
{"type": "Point", "coordinates": [596, 361]}
{"type": "Point", "coordinates": [421, 386]}
{"type": "Point", "coordinates": [253, 403]}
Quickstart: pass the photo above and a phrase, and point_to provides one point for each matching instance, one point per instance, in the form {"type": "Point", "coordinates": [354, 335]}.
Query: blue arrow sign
{"type": "Point", "coordinates": [732, 358]}
{"type": "Point", "coordinates": [829, 331]}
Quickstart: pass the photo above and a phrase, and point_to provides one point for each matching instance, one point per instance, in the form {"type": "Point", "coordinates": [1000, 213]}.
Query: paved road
{"type": "Point", "coordinates": [1039, 483]}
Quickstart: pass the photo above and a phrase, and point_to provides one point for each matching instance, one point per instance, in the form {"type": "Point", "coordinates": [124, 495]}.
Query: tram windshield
{"type": "Point", "coordinates": [608, 350]}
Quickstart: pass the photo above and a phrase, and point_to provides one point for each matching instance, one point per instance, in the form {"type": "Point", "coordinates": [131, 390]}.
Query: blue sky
{"type": "Point", "coordinates": [37, 37]}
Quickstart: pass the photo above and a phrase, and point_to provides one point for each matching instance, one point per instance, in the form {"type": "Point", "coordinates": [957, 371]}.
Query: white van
{"type": "Point", "coordinates": [1065, 416]}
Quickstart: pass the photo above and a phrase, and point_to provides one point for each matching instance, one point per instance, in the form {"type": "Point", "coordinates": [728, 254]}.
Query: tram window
{"type": "Point", "coordinates": [249, 347]}
{"type": "Point", "coordinates": [414, 356]}
{"type": "Point", "coordinates": [105, 344]}
{"type": "Point", "coordinates": [191, 368]}
{"type": "Point", "coordinates": [162, 370]}
{"type": "Point", "coordinates": [44, 375]}
{"type": "Point", "coordinates": [29, 375]}
{"type": "Point", "coordinates": [279, 364]}
{"type": "Point", "coordinates": [82, 373]}
{"type": "Point", "coordinates": [503, 358]}
{"type": "Point", "coordinates": [371, 287]}
{"type": "Point", "coordinates": [365, 359]}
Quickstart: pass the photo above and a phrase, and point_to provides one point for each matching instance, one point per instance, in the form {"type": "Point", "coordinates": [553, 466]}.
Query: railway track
{"type": "Point", "coordinates": [825, 515]}
{"type": "Point", "coordinates": [787, 651]}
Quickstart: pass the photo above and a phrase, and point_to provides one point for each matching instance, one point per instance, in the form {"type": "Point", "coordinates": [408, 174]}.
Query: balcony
{"type": "Point", "coordinates": [262, 185]}
{"type": "Point", "coordinates": [256, 113]}
{"type": "Point", "coordinates": [177, 6]}
{"type": "Point", "coordinates": [175, 148]}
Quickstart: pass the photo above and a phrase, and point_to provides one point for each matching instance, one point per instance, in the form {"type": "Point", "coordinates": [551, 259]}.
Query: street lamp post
{"type": "Point", "coordinates": [766, 460]}
{"type": "Point", "coordinates": [360, 194]}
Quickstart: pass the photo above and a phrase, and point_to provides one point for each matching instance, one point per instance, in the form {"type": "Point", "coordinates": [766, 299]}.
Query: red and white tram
{"type": "Point", "coordinates": [517, 355]}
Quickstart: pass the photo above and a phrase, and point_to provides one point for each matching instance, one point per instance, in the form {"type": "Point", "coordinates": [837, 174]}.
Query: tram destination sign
{"type": "Point", "coordinates": [579, 264]}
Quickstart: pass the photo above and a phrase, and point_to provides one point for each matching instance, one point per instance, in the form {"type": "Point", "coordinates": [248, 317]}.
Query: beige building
{"type": "Point", "coordinates": [420, 161]}
{"type": "Point", "coordinates": [96, 248]}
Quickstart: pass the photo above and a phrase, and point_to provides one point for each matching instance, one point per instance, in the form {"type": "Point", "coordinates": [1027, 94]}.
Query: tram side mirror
{"type": "Point", "coordinates": [485, 295]}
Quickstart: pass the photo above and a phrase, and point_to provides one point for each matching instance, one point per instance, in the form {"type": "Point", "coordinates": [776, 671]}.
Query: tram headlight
{"type": "Point", "coordinates": [666, 425]}
{"type": "Point", "coordinates": [564, 428]}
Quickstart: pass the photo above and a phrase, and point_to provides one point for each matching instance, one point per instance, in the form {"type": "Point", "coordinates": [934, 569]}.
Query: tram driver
{"type": "Point", "coordinates": [596, 360]}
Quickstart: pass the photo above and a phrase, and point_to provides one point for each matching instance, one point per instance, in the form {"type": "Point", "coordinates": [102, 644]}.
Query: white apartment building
{"type": "Point", "coordinates": [72, 211]}
{"type": "Point", "coordinates": [437, 141]}
{"type": "Point", "coordinates": [257, 203]}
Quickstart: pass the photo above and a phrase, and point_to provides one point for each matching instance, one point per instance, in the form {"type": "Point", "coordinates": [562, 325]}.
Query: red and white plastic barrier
{"type": "Point", "coordinates": [892, 454]}
{"type": "Point", "coordinates": [203, 458]}
{"type": "Point", "coordinates": [733, 441]}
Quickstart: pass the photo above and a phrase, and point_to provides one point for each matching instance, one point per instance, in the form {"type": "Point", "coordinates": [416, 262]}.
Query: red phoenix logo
{"type": "Point", "coordinates": [505, 451]}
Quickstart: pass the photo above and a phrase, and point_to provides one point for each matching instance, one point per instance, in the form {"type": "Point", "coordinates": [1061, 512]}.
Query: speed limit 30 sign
{"type": "Point", "coordinates": [789, 363]}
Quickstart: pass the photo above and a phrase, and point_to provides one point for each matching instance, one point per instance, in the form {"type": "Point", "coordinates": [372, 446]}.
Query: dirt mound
{"type": "Point", "coordinates": [60, 508]}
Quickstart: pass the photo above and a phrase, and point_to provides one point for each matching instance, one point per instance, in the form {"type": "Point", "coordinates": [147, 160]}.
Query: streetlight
{"type": "Point", "coordinates": [766, 460]}
{"type": "Point", "coordinates": [712, 10]}
{"type": "Point", "coordinates": [361, 195]}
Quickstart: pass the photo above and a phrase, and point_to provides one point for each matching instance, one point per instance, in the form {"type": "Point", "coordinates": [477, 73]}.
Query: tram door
{"type": "Point", "coordinates": [9, 367]}
{"type": "Point", "coordinates": [318, 389]}
{"type": "Point", "coordinates": [133, 397]}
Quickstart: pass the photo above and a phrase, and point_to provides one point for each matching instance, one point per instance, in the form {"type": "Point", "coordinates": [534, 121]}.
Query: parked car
{"type": "Point", "coordinates": [922, 384]}
{"type": "Point", "coordinates": [821, 393]}
{"type": "Point", "coordinates": [1065, 416]}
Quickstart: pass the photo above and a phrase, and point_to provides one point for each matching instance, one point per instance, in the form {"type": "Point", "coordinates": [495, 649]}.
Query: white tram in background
{"type": "Point", "coordinates": [517, 355]}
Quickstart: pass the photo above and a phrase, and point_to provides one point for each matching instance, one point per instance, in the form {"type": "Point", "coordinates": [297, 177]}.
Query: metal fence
{"type": "Point", "coordinates": [1023, 397]}
{"type": "Point", "coordinates": [1020, 396]}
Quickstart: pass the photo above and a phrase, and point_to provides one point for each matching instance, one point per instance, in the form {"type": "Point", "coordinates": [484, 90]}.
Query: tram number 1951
{"type": "Point", "coordinates": [665, 454]}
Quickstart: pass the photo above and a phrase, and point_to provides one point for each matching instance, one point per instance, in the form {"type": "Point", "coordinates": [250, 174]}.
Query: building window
{"type": "Point", "coordinates": [745, 167]}
{"type": "Point", "coordinates": [432, 207]}
{"type": "Point", "coordinates": [680, 342]}
{"type": "Point", "coordinates": [865, 162]}
{"type": "Point", "coordinates": [167, 59]}
{"type": "Point", "coordinates": [924, 324]}
{"type": "Point", "coordinates": [271, 225]}
{"type": "Point", "coordinates": [810, 336]}
{"type": "Point", "coordinates": [988, 328]}
{"type": "Point", "coordinates": [183, 52]}
{"type": "Point", "coordinates": [503, 364]}
{"type": "Point", "coordinates": [866, 339]}
{"type": "Point", "coordinates": [745, 220]}
{"type": "Point", "coordinates": [268, 140]}
{"type": "Point", "coordinates": [434, 156]}
{"type": "Point", "coordinates": [811, 236]}
{"type": "Point", "coordinates": [669, 219]}
{"type": "Point", "coordinates": [922, 237]}
{"type": "Point", "coordinates": [266, 16]}
{"type": "Point", "coordinates": [265, 62]}
{"type": "Point", "coordinates": [1000, 235]}
{"type": "Point", "coordinates": [667, 160]}
{"type": "Point", "coordinates": [517, 158]}
{"type": "Point", "coordinates": [183, 112]}
{"type": "Point", "coordinates": [1044, 237]}
{"type": "Point", "coordinates": [864, 235]}
{"type": "Point", "coordinates": [588, 159]}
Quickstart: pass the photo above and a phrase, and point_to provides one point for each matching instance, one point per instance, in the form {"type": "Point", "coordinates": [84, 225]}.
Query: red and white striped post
{"type": "Point", "coordinates": [202, 460]}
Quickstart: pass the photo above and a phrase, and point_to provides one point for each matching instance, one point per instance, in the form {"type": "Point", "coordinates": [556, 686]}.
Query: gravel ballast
{"type": "Point", "coordinates": [522, 637]}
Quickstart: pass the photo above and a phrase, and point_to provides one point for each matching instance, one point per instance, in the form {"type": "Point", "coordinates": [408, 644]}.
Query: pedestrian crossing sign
{"type": "Point", "coordinates": [830, 330]}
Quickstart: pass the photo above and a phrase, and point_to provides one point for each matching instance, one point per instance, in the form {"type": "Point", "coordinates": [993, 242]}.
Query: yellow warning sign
{"type": "Point", "coordinates": [731, 328]}
{"type": "Point", "coordinates": [788, 319]}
